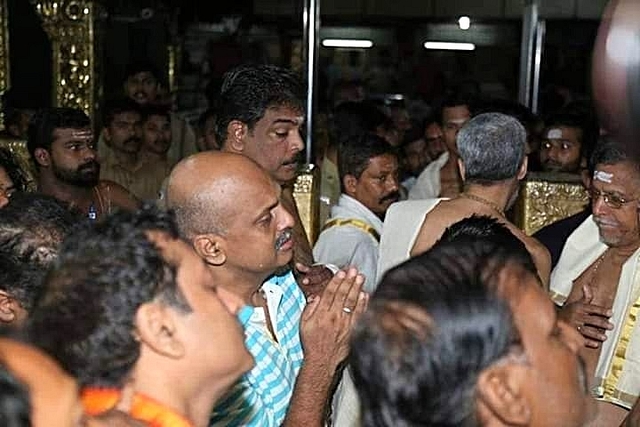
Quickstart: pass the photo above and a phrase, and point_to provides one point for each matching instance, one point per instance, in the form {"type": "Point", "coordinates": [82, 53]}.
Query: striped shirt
{"type": "Point", "coordinates": [261, 397]}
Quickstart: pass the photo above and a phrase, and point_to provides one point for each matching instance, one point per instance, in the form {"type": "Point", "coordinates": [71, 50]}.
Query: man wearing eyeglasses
{"type": "Point", "coordinates": [597, 287]}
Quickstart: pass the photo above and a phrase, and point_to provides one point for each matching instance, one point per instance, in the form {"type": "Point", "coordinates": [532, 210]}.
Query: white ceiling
{"type": "Point", "coordinates": [439, 9]}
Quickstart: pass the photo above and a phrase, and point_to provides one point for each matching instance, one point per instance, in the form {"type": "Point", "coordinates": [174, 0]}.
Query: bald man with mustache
{"type": "Point", "coordinates": [230, 210]}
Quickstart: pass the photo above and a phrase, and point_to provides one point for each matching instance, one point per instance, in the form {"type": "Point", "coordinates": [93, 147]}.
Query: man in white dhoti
{"type": "Point", "coordinates": [492, 163]}
{"type": "Point", "coordinates": [597, 286]}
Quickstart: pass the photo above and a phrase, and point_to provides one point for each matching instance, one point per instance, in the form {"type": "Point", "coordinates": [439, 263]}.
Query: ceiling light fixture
{"type": "Point", "coordinates": [449, 46]}
{"type": "Point", "coordinates": [348, 43]}
{"type": "Point", "coordinates": [464, 22]}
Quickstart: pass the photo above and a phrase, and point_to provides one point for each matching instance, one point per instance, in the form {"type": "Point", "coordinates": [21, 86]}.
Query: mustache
{"type": "Point", "coordinates": [391, 197]}
{"type": "Point", "coordinates": [283, 238]}
{"type": "Point", "coordinates": [133, 139]}
{"type": "Point", "coordinates": [295, 160]}
{"type": "Point", "coordinates": [602, 221]}
{"type": "Point", "coordinates": [91, 164]}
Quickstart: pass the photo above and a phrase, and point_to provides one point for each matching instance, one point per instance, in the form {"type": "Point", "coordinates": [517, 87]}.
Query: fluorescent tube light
{"type": "Point", "coordinates": [449, 46]}
{"type": "Point", "coordinates": [353, 43]}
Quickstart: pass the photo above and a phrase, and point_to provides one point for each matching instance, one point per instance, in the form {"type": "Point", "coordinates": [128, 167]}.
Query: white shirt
{"type": "Point", "coordinates": [427, 186]}
{"type": "Point", "coordinates": [346, 245]}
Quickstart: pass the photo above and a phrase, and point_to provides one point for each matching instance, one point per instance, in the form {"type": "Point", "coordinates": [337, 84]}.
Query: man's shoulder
{"type": "Point", "coordinates": [117, 195]}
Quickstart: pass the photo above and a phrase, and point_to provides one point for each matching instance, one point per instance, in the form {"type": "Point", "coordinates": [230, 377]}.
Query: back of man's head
{"type": "Point", "coordinates": [482, 227]}
{"type": "Point", "coordinates": [104, 273]}
{"type": "Point", "coordinates": [492, 147]}
{"type": "Point", "coordinates": [249, 90]}
{"type": "Point", "coordinates": [435, 322]}
{"type": "Point", "coordinates": [32, 228]}
{"type": "Point", "coordinates": [44, 122]}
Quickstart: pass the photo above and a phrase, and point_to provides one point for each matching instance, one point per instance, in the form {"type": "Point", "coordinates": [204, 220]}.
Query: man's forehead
{"type": "Point", "coordinates": [455, 112]}
{"type": "Point", "coordinates": [383, 162]}
{"type": "Point", "coordinates": [127, 115]}
{"type": "Point", "coordinates": [284, 114]}
{"type": "Point", "coordinates": [157, 118]}
{"type": "Point", "coordinates": [141, 75]}
{"type": "Point", "coordinates": [73, 134]}
{"type": "Point", "coordinates": [623, 176]}
{"type": "Point", "coordinates": [561, 132]}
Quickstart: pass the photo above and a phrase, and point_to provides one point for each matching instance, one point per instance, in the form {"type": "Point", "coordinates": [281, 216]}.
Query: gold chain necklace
{"type": "Point", "coordinates": [484, 201]}
{"type": "Point", "coordinates": [595, 271]}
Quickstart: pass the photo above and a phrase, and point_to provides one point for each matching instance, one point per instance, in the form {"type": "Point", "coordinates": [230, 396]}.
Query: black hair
{"type": "Point", "coordinates": [249, 90]}
{"type": "Point", "coordinates": [32, 228]}
{"type": "Point", "coordinates": [422, 370]}
{"type": "Point", "coordinates": [609, 151]}
{"type": "Point", "coordinates": [149, 110]}
{"type": "Point", "coordinates": [114, 107]}
{"type": "Point", "coordinates": [458, 99]}
{"type": "Point", "coordinates": [13, 170]}
{"type": "Point", "coordinates": [45, 121]}
{"type": "Point", "coordinates": [142, 66]}
{"type": "Point", "coordinates": [103, 274]}
{"type": "Point", "coordinates": [353, 119]}
{"type": "Point", "coordinates": [488, 228]}
{"type": "Point", "coordinates": [587, 137]}
{"type": "Point", "coordinates": [354, 155]}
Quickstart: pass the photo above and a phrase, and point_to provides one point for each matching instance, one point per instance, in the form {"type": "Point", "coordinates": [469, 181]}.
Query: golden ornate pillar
{"type": "Point", "coordinates": [305, 193]}
{"type": "Point", "coordinates": [4, 55]}
{"type": "Point", "coordinates": [70, 27]}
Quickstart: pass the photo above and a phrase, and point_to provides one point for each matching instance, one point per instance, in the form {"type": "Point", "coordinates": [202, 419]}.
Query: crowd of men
{"type": "Point", "coordinates": [143, 283]}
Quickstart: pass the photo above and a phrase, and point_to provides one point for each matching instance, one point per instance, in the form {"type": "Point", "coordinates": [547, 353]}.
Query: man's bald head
{"type": "Point", "coordinates": [203, 189]}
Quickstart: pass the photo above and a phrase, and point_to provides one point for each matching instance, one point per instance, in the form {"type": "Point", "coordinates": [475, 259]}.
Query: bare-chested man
{"type": "Point", "coordinates": [596, 284]}
{"type": "Point", "coordinates": [441, 177]}
{"type": "Point", "coordinates": [61, 145]}
{"type": "Point", "coordinates": [492, 162]}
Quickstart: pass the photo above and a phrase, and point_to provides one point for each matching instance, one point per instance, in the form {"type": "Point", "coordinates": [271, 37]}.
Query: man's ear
{"type": "Point", "coordinates": [350, 184]}
{"type": "Point", "coordinates": [8, 308]}
{"type": "Point", "coordinates": [461, 169]}
{"type": "Point", "coordinates": [236, 134]}
{"type": "Point", "coordinates": [156, 328]}
{"type": "Point", "coordinates": [42, 157]}
{"type": "Point", "coordinates": [500, 395]}
{"type": "Point", "coordinates": [522, 172]}
{"type": "Point", "coordinates": [211, 248]}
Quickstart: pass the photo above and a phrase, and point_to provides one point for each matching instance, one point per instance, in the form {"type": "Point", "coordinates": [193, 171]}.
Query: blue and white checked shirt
{"type": "Point", "coordinates": [261, 397]}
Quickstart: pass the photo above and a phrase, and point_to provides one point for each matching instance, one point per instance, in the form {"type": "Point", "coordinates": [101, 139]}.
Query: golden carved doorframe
{"type": "Point", "coordinates": [70, 25]}
{"type": "Point", "coordinates": [4, 53]}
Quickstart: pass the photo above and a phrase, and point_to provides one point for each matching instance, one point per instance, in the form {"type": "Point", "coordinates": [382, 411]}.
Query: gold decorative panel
{"type": "Point", "coordinates": [4, 53]}
{"type": "Point", "coordinates": [20, 153]}
{"type": "Point", "coordinates": [305, 192]}
{"type": "Point", "coordinates": [70, 26]}
{"type": "Point", "coordinates": [547, 198]}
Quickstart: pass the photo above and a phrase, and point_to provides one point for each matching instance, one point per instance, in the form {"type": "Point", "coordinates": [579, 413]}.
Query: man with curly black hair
{"type": "Point", "coordinates": [130, 303]}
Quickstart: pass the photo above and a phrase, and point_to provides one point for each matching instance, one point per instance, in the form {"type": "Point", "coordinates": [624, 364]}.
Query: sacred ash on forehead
{"type": "Point", "coordinates": [602, 176]}
{"type": "Point", "coordinates": [554, 133]}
